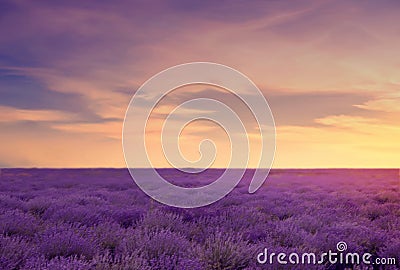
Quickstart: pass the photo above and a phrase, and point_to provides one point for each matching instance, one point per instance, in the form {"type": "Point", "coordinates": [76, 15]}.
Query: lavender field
{"type": "Point", "coordinates": [99, 219]}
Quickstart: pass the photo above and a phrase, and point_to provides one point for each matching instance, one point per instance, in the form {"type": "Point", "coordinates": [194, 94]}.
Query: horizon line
{"type": "Point", "coordinates": [216, 168]}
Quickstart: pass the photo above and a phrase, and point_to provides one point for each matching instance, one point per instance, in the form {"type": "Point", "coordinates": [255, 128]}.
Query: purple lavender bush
{"type": "Point", "coordinates": [99, 219]}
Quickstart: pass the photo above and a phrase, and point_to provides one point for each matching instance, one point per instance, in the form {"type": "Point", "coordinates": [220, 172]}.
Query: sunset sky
{"type": "Point", "coordinates": [330, 71]}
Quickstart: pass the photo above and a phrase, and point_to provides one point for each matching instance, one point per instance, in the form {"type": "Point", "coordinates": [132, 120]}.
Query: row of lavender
{"type": "Point", "coordinates": [98, 219]}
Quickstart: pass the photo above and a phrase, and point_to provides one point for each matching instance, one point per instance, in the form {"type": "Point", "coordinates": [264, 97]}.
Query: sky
{"type": "Point", "coordinates": [330, 71]}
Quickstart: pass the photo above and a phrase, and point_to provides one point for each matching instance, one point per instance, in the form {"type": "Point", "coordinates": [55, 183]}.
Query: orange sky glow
{"type": "Point", "coordinates": [330, 71]}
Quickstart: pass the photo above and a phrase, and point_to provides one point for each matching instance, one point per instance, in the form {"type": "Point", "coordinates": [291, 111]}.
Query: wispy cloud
{"type": "Point", "coordinates": [383, 104]}
{"type": "Point", "coordinates": [10, 114]}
